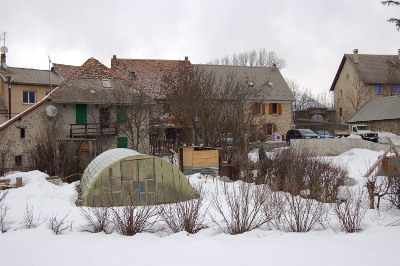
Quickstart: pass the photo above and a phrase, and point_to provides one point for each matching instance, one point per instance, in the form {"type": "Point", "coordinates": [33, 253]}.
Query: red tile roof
{"type": "Point", "coordinates": [64, 71]}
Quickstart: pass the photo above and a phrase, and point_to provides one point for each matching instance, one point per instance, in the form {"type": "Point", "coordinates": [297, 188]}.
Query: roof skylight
{"type": "Point", "coordinates": [106, 83]}
{"type": "Point", "coordinates": [251, 83]}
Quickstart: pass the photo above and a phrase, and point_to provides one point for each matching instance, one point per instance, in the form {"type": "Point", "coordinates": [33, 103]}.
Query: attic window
{"type": "Point", "coordinates": [106, 83]}
{"type": "Point", "coordinates": [270, 84]}
{"type": "Point", "coordinates": [251, 83]}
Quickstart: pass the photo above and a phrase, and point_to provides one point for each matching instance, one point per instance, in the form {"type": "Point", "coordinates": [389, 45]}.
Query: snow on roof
{"type": "Point", "coordinates": [100, 163]}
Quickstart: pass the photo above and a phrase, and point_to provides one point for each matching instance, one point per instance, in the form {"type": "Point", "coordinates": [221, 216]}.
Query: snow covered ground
{"type": "Point", "coordinates": [375, 245]}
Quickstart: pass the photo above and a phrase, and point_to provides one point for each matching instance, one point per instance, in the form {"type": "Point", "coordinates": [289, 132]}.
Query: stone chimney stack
{"type": "Point", "coordinates": [3, 61]}
{"type": "Point", "coordinates": [355, 51]}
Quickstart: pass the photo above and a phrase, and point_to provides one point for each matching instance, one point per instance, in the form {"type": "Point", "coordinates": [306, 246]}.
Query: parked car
{"type": "Point", "coordinates": [324, 134]}
{"type": "Point", "coordinates": [300, 134]}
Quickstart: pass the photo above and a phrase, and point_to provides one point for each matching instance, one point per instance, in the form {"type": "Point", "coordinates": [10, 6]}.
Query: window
{"type": "Point", "coordinates": [106, 83]}
{"type": "Point", "coordinates": [341, 94]}
{"type": "Point", "coordinates": [258, 109]}
{"type": "Point", "coordinates": [396, 89]}
{"type": "Point", "coordinates": [22, 133]}
{"type": "Point", "coordinates": [378, 89]}
{"type": "Point", "coordinates": [275, 109]}
{"type": "Point", "coordinates": [18, 160]}
{"type": "Point", "coordinates": [121, 114]}
{"type": "Point", "coordinates": [340, 111]}
{"type": "Point", "coordinates": [29, 97]}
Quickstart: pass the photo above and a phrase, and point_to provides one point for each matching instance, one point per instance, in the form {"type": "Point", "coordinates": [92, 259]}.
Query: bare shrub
{"type": "Point", "coordinates": [377, 186]}
{"type": "Point", "coordinates": [242, 167]}
{"type": "Point", "coordinates": [98, 218]}
{"type": "Point", "coordinates": [302, 214]}
{"type": "Point", "coordinates": [60, 226]}
{"type": "Point", "coordinates": [293, 171]}
{"type": "Point", "coordinates": [351, 212]}
{"type": "Point", "coordinates": [3, 212]}
{"type": "Point", "coordinates": [245, 209]}
{"type": "Point", "coordinates": [185, 216]}
{"type": "Point", "coordinates": [28, 218]}
{"type": "Point", "coordinates": [130, 220]}
{"type": "Point", "coordinates": [394, 194]}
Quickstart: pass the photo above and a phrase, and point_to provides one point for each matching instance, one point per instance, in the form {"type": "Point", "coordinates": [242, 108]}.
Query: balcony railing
{"type": "Point", "coordinates": [92, 130]}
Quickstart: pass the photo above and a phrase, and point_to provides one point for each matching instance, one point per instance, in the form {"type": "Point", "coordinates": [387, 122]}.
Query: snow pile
{"type": "Point", "coordinates": [40, 246]}
{"type": "Point", "coordinates": [383, 138]}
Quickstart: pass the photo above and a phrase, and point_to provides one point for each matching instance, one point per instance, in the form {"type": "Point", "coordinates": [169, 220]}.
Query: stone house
{"type": "Point", "coordinates": [27, 86]}
{"type": "Point", "coordinates": [362, 77]}
{"type": "Point", "coordinates": [94, 108]}
{"type": "Point", "coordinates": [381, 114]}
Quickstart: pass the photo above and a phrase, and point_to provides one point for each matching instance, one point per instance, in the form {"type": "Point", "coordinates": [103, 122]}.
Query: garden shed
{"type": "Point", "coordinates": [198, 159]}
{"type": "Point", "coordinates": [123, 177]}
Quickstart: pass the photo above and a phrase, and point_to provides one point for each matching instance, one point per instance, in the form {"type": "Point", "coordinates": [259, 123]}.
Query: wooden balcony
{"type": "Point", "coordinates": [92, 130]}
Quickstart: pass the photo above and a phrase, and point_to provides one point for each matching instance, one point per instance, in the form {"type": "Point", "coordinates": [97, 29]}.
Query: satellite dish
{"type": "Point", "coordinates": [4, 50]}
{"type": "Point", "coordinates": [51, 111]}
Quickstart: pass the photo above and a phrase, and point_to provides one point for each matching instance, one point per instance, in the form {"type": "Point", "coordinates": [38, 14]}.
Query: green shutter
{"type": "Point", "coordinates": [81, 113]}
{"type": "Point", "coordinates": [122, 142]}
{"type": "Point", "coordinates": [121, 114]}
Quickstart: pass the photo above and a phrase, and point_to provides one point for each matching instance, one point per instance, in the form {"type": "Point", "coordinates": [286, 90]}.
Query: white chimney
{"type": "Point", "coordinates": [355, 51]}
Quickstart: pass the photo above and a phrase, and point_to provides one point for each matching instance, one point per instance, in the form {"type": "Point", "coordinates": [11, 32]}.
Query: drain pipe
{"type": "Point", "coordinates": [9, 97]}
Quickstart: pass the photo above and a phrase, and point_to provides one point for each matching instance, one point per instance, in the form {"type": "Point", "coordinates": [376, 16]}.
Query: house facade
{"type": "Point", "coordinates": [27, 87]}
{"type": "Point", "coordinates": [94, 109]}
{"type": "Point", "coordinates": [362, 77]}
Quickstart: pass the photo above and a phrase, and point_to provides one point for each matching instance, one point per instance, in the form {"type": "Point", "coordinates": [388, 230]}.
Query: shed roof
{"type": "Point", "coordinates": [385, 108]}
{"type": "Point", "coordinates": [30, 76]}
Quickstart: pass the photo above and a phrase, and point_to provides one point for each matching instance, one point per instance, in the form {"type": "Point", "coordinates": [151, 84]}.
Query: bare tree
{"type": "Point", "coordinates": [356, 96]}
{"type": "Point", "coordinates": [5, 154]}
{"type": "Point", "coordinates": [252, 57]}
{"type": "Point", "coordinates": [396, 21]}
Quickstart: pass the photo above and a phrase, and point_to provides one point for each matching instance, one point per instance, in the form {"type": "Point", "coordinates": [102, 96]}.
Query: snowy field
{"type": "Point", "coordinates": [375, 245]}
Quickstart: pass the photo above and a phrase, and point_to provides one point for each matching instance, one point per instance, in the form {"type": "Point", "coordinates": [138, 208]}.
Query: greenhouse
{"type": "Point", "coordinates": [123, 177]}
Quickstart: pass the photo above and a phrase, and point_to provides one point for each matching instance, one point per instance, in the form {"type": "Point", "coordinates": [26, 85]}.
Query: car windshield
{"type": "Point", "coordinates": [322, 133]}
{"type": "Point", "coordinates": [362, 127]}
{"type": "Point", "coordinates": [306, 131]}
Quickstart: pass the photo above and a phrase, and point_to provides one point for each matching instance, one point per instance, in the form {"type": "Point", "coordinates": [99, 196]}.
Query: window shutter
{"type": "Point", "coordinates": [274, 128]}
{"type": "Point", "coordinates": [279, 108]}
{"type": "Point", "coordinates": [265, 129]}
{"type": "Point", "coordinates": [270, 108]}
{"type": "Point", "coordinates": [263, 108]}
{"type": "Point", "coordinates": [252, 108]}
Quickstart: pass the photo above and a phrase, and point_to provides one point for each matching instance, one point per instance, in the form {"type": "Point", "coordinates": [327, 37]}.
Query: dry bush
{"type": "Point", "coordinates": [293, 171]}
{"type": "Point", "coordinates": [3, 212]}
{"type": "Point", "coordinates": [242, 167]}
{"type": "Point", "coordinates": [59, 226]}
{"type": "Point", "coordinates": [130, 220]}
{"type": "Point", "coordinates": [245, 209]}
{"type": "Point", "coordinates": [28, 218]}
{"type": "Point", "coordinates": [377, 186]}
{"type": "Point", "coordinates": [185, 216]}
{"type": "Point", "coordinates": [394, 194]}
{"type": "Point", "coordinates": [98, 218]}
{"type": "Point", "coordinates": [351, 212]}
{"type": "Point", "coordinates": [302, 214]}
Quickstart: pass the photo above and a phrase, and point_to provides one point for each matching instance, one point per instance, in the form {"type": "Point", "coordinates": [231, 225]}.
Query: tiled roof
{"type": "Point", "coordinates": [384, 108]}
{"type": "Point", "coordinates": [148, 73]}
{"type": "Point", "coordinates": [85, 85]}
{"type": "Point", "coordinates": [267, 81]}
{"type": "Point", "coordinates": [371, 69]}
{"type": "Point", "coordinates": [3, 106]}
{"type": "Point", "coordinates": [30, 76]}
{"type": "Point", "coordinates": [64, 71]}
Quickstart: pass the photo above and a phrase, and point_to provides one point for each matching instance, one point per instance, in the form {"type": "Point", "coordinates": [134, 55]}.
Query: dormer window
{"type": "Point", "coordinates": [106, 83]}
{"type": "Point", "coordinates": [250, 83]}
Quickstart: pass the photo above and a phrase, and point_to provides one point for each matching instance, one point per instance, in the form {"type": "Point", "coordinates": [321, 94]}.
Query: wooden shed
{"type": "Point", "coordinates": [198, 159]}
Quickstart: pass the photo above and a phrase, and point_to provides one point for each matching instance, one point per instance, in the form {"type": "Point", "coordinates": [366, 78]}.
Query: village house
{"type": "Point", "coordinates": [362, 77]}
{"type": "Point", "coordinates": [27, 86]}
{"type": "Point", "coordinates": [94, 108]}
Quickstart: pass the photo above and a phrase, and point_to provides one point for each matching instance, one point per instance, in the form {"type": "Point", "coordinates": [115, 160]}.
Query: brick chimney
{"type": "Point", "coordinates": [113, 61]}
{"type": "Point", "coordinates": [3, 61]}
{"type": "Point", "coordinates": [355, 51]}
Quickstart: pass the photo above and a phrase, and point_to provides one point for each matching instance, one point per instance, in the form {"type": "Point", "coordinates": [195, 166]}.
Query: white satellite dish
{"type": "Point", "coordinates": [51, 111]}
{"type": "Point", "coordinates": [4, 50]}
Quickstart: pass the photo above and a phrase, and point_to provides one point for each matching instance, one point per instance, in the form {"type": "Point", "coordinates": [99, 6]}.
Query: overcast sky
{"type": "Point", "coordinates": [312, 35]}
